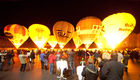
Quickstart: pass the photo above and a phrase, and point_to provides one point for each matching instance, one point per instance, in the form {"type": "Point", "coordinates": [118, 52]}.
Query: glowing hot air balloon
{"type": "Point", "coordinates": [39, 34]}
{"type": "Point", "coordinates": [17, 34]}
{"type": "Point", "coordinates": [63, 31]}
{"type": "Point", "coordinates": [88, 28]}
{"type": "Point", "coordinates": [52, 41]}
{"type": "Point", "coordinates": [101, 41]}
{"type": "Point", "coordinates": [76, 40]}
{"type": "Point", "coordinates": [117, 27]}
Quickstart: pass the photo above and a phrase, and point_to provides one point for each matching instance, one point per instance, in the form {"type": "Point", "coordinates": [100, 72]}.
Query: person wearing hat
{"type": "Point", "coordinates": [90, 72]}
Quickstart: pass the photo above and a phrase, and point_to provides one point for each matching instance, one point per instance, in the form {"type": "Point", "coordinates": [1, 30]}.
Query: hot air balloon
{"type": "Point", "coordinates": [16, 33]}
{"type": "Point", "coordinates": [39, 34]}
{"type": "Point", "coordinates": [63, 31]}
{"type": "Point", "coordinates": [76, 40]}
{"type": "Point", "coordinates": [117, 27]}
{"type": "Point", "coordinates": [52, 41]}
{"type": "Point", "coordinates": [88, 28]}
{"type": "Point", "coordinates": [101, 41]}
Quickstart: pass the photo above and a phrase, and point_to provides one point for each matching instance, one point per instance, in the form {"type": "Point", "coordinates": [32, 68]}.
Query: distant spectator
{"type": "Point", "coordinates": [125, 61]}
{"type": "Point", "coordinates": [52, 59]}
{"type": "Point", "coordinates": [96, 55]}
{"type": "Point", "coordinates": [32, 56]}
{"type": "Point", "coordinates": [120, 56]}
{"type": "Point", "coordinates": [42, 59]}
{"type": "Point", "coordinates": [71, 61]}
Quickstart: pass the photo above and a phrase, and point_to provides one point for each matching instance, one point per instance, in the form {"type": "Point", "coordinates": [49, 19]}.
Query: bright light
{"type": "Point", "coordinates": [61, 45]}
{"type": "Point", "coordinates": [99, 45]}
{"type": "Point", "coordinates": [117, 27]}
{"type": "Point", "coordinates": [17, 45]}
{"type": "Point", "coordinates": [40, 44]}
{"type": "Point", "coordinates": [76, 40]}
{"type": "Point", "coordinates": [39, 34]}
{"type": "Point", "coordinates": [87, 45]}
{"type": "Point", "coordinates": [52, 41]}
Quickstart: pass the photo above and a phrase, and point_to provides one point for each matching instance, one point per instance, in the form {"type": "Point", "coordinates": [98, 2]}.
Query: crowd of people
{"type": "Point", "coordinates": [105, 65]}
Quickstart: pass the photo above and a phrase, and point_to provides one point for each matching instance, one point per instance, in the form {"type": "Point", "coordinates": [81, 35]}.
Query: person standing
{"type": "Point", "coordinates": [12, 56]}
{"type": "Point", "coordinates": [52, 59]}
{"type": "Point", "coordinates": [1, 63]}
{"type": "Point", "coordinates": [46, 59]}
{"type": "Point", "coordinates": [22, 57]}
{"type": "Point", "coordinates": [112, 70]}
{"type": "Point", "coordinates": [120, 56]}
{"type": "Point", "coordinates": [9, 56]}
{"type": "Point", "coordinates": [79, 70]}
{"type": "Point", "coordinates": [71, 61]}
{"type": "Point", "coordinates": [42, 59]}
{"type": "Point", "coordinates": [90, 72]}
{"type": "Point", "coordinates": [32, 56]}
{"type": "Point", "coordinates": [96, 55]}
{"type": "Point", "coordinates": [125, 61]}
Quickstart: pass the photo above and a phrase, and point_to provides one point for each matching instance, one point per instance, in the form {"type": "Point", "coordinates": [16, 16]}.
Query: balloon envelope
{"type": "Point", "coordinates": [63, 31]}
{"type": "Point", "coordinates": [17, 34]}
{"type": "Point", "coordinates": [101, 41]}
{"type": "Point", "coordinates": [76, 40]}
{"type": "Point", "coordinates": [117, 27]}
{"type": "Point", "coordinates": [88, 28]}
{"type": "Point", "coordinates": [39, 34]}
{"type": "Point", "coordinates": [52, 41]}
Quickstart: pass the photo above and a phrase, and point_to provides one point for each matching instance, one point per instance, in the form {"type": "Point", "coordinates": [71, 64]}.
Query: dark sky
{"type": "Point", "coordinates": [26, 12]}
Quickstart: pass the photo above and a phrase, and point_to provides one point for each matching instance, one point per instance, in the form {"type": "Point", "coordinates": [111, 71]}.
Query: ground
{"type": "Point", "coordinates": [36, 73]}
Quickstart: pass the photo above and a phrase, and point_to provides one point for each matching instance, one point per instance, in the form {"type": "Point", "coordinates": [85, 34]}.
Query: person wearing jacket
{"type": "Point", "coordinates": [125, 61]}
{"type": "Point", "coordinates": [52, 59]}
{"type": "Point", "coordinates": [32, 56]}
{"type": "Point", "coordinates": [90, 72]}
{"type": "Point", "coordinates": [23, 62]}
{"type": "Point", "coordinates": [42, 59]}
{"type": "Point", "coordinates": [112, 70]}
{"type": "Point", "coordinates": [71, 61]}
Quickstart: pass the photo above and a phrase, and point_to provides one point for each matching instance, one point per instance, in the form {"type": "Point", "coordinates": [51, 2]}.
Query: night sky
{"type": "Point", "coordinates": [26, 12]}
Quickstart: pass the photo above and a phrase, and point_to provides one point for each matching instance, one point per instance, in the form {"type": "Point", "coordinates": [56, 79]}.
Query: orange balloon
{"type": "Point", "coordinates": [77, 40]}
{"type": "Point", "coordinates": [63, 31]}
{"type": "Point", "coordinates": [88, 28]}
{"type": "Point", "coordinates": [16, 33]}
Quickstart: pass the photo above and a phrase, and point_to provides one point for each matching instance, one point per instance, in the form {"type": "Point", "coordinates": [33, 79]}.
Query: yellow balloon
{"type": "Point", "coordinates": [52, 41]}
{"type": "Point", "coordinates": [117, 27]}
{"type": "Point", "coordinates": [88, 28]}
{"type": "Point", "coordinates": [77, 40]}
{"type": "Point", "coordinates": [39, 34]}
{"type": "Point", "coordinates": [63, 31]}
{"type": "Point", "coordinates": [16, 33]}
